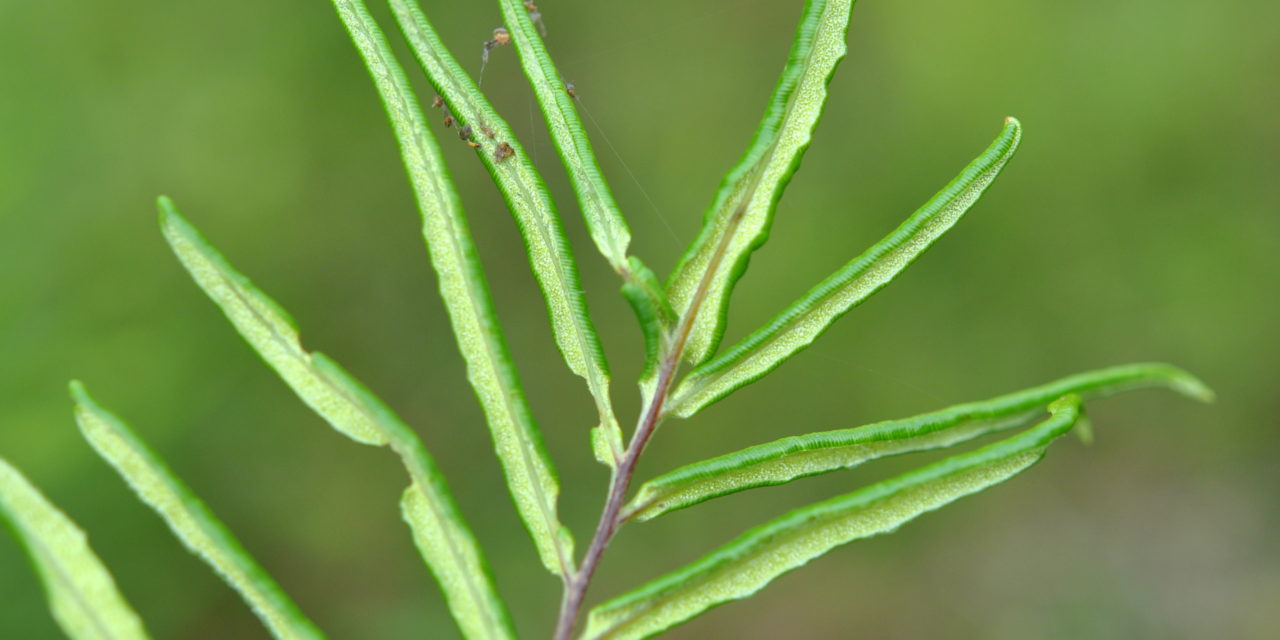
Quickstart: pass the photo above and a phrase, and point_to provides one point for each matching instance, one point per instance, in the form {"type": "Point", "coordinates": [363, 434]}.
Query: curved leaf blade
{"type": "Point", "coordinates": [526, 195]}
{"type": "Point", "coordinates": [604, 220]}
{"type": "Point", "coordinates": [799, 325]}
{"type": "Point", "coordinates": [192, 522]}
{"type": "Point", "coordinates": [745, 565]}
{"type": "Point", "coordinates": [446, 543]}
{"type": "Point", "coordinates": [82, 595]}
{"type": "Point", "coordinates": [530, 474]}
{"type": "Point", "coordinates": [795, 457]}
{"type": "Point", "coordinates": [439, 530]}
{"type": "Point", "coordinates": [265, 325]}
{"type": "Point", "coordinates": [738, 221]}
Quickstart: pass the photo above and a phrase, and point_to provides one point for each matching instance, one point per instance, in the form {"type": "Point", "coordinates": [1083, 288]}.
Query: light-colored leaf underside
{"type": "Point", "coordinates": [446, 543]}
{"type": "Point", "coordinates": [264, 325]}
{"type": "Point", "coordinates": [526, 195]}
{"type": "Point", "coordinates": [604, 219]}
{"type": "Point", "coordinates": [800, 324]}
{"type": "Point", "coordinates": [82, 595]}
{"type": "Point", "coordinates": [529, 471]}
{"type": "Point", "coordinates": [439, 530]}
{"type": "Point", "coordinates": [742, 567]}
{"type": "Point", "coordinates": [738, 221]}
{"type": "Point", "coordinates": [794, 457]}
{"type": "Point", "coordinates": [192, 522]}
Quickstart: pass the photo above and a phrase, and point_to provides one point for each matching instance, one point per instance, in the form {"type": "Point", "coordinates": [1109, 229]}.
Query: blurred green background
{"type": "Point", "coordinates": [1139, 222]}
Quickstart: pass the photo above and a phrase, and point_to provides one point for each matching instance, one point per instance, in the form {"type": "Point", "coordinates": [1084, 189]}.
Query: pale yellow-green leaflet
{"type": "Point", "coordinates": [442, 536]}
{"type": "Point", "coordinates": [604, 220]}
{"type": "Point", "coordinates": [188, 518]}
{"type": "Point", "coordinates": [264, 325]}
{"type": "Point", "coordinates": [786, 459]}
{"type": "Point", "coordinates": [449, 549]}
{"type": "Point", "coordinates": [82, 595]}
{"type": "Point", "coordinates": [797, 326]}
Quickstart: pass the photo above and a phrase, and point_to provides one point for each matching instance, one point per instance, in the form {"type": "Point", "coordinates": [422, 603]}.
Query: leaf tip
{"type": "Point", "coordinates": [1195, 388]}
{"type": "Point", "coordinates": [80, 396]}
{"type": "Point", "coordinates": [77, 389]}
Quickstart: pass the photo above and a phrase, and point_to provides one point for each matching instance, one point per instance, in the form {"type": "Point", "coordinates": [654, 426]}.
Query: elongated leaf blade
{"type": "Point", "coordinates": [744, 566]}
{"type": "Point", "coordinates": [738, 221]}
{"type": "Point", "coordinates": [449, 549]}
{"type": "Point", "coordinates": [784, 460]}
{"type": "Point", "coordinates": [265, 325]}
{"type": "Point", "coordinates": [549, 254]}
{"type": "Point", "coordinates": [604, 219]}
{"type": "Point", "coordinates": [192, 522]}
{"type": "Point", "coordinates": [530, 474]}
{"type": "Point", "coordinates": [439, 530]}
{"type": "Point", "coordinates": [82, 595]}
{"type": "Point", "coordinates": [800, 324]}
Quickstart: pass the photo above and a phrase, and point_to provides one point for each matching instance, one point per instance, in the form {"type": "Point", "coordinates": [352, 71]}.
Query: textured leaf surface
{"type": "Point", "coordinates": [526, 195]}
{"type": "Point", "coordinates": [800, 456]}
{"type": "Point", "coordinates": [530, 474]}
{"type": "Point", "coordinates": [738, 221]}
{"type": "Point", "coordinates": [742, 567]}
{"type": "Point", "coordinates": [446, 543]}
{"type": "Point", "coordinates": [265, 326]}
{"type": "Point", "coordinates": [801, 323]}
{"type": "Point", "coordinates": [604, 220]}
{"type": "Point", "coordinates": [81, 593]}
{"type": "Point", "coordinates": [441, 534]}
{"type": "Point", "coordinates": [190, 520]}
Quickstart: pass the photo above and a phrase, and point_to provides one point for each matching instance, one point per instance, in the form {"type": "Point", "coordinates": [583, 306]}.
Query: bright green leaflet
{"type": "Point", "coordinates": [604, 220]}
{"type": "Point", "coordinates": [530, 474]}
{"type": "Point", "coordinates": [441, 534]}
{"type": "Point", "coordinates": [738, 221]}
{"type": "Point", "coordinates": [784, 460]}
{"type": "Point", "coordinates": [801, 323]}
{"type": "Point", "coordinates": [265, 326]}
{"type": "Point", "coordinates": [190, 520]}
{"type": "Point", "coordinates": [82, 595]}
{"type": "Point", "coordinates": [443, 537]}
{"type": "Point", "coordinates": [742, 567]}
{"type": "Point", "coordinates": [526, 195]}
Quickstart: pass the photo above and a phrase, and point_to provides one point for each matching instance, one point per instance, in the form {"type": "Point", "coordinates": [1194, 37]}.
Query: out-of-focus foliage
{"type": "Point", "coordinates": [1138, 223]}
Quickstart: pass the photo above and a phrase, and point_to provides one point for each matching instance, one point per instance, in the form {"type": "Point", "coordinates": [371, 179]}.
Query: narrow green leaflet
{"type": "Point", "coordinates": [189, 519]}
{"type": "Point", "coordinates": [801, 323]}
{"type": "Point", "coordinates": [453, 554]}
{"type": "Point", "coordinates": [742, 567]}
{"type": "Point", "coordinates": [604, 220]}
{"type": "Point", "coordinates": [784, 460]}
{"type": "Point", "coordinates": [441, 534]}
{"type": "Point", "coordinates": [738, 221]}
{"type": "Point", "coordinates": [530, 474]}
{"type": "Point", "coordinates": [513, 171]}
{"type": "Point", "coordinates": [265, 326]}
{"type": "Point", "coordinates": [82, 595]}
{"type": "Point", "coordinates": [446, 543]}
